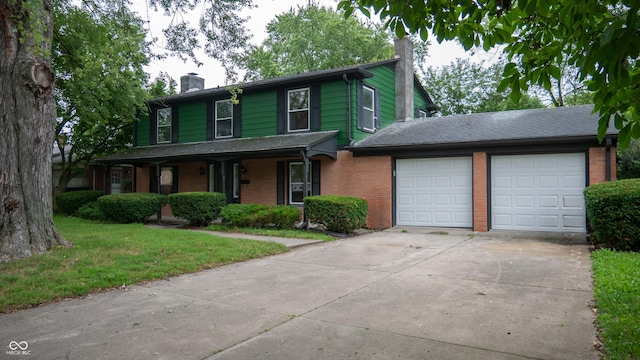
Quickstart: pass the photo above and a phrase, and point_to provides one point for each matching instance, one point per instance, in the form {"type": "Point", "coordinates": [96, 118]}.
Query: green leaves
{"type": "Point", "coordinates": [316, 38]}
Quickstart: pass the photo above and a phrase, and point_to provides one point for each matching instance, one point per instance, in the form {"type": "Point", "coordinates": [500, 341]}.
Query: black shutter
{"type": "Point", "coordinates": [210, 119]}
{"type": "Point", "coordinates": [174, 172]}
{"type": "Point", "coordinates": [153, 180]}
{"type": "Point", "coordinates": [359, 105]}
{"type": "Point", "coordinates": [377, 110]}
{"type": "Point", "coordinates": [237, 120]}
{"type": "Point", "coordinates": [282, 112]}
{"type": "Point", "coordinates": [174, 124]}
{"type": "Point", "coordinates": [280, 182]}
{"type": "Point", "coordinates": [315, 177]}
{"type": "Point", "coordinates": [315, 108]}
{"type": "Point", "coordinates": [136, 123]}
{"type": "Point", "coordinates": [153, 127]}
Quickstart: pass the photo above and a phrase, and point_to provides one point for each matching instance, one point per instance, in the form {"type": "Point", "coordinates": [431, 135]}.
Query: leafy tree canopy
{"type": "Point", "coordinates": [315, 38]}
{"type": "Point", "coordinates": [600, 38]}
{"type": "Point", "coordinates": [98, 59]}
{"type": "Point", "coordinates": [464, 87]}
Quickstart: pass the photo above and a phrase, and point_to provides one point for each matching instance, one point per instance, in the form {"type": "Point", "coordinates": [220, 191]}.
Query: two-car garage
{"type": "Point", "coordinates": [536, 192]}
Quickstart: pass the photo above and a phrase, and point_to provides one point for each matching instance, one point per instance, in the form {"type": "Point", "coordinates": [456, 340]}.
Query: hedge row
{"type": "Point", "coordinates": [613, 209]}
{"type": "Point", "coordinates": [337, 213]}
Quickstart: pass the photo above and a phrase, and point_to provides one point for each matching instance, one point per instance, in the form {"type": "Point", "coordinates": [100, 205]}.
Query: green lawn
{"type": "Point", "coordinates": [104, 256]}
{"type": "Point", "coordinates": [617, 291]}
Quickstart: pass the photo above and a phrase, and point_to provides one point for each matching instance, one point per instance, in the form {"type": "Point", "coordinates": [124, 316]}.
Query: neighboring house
{"type": "Point", "coordinates": [361, 131]}
{"type": "Point", "coordinates": [118, 178]}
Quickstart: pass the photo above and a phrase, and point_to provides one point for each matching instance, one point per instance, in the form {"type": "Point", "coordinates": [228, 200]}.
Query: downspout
{"type": "Point", "coordinates": [346, 80]}
{"type": "Point", "coordinates": [305, 180]}
{"type": "Point", "coordinates": [607, 160]}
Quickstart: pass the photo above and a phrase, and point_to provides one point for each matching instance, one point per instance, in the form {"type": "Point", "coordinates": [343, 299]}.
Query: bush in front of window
{"type": "Point", "coordinates": [131, 207]}
{"type": "Point", "coordinates": [200, 208]}
{"type": "Point", "coordinates": [260, 216]}
{"type": "Point", "coordinates": [70, 202]}
{"type": "Point", "coordinates": [90, 211]}
{"type": "Point", "coordinates": [342, 214]}
{"type": "Point", "coordinates": [613, 209]}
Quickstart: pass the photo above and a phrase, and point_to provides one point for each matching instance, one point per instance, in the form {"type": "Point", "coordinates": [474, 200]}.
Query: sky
{"type": "Point", "coordinates": [265, 11]}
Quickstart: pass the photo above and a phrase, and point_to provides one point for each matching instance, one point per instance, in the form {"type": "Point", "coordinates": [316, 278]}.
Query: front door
{"type": "Point", "coordinates": [116, 180]}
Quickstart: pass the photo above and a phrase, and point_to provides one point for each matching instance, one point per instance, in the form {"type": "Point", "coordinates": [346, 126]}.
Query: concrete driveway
{"type": "Point", "coordinates": [385, 295]}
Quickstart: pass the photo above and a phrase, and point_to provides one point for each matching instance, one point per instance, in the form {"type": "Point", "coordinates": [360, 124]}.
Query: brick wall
{"type": "Point", "coordinates": [597, 164]}
{"type": "Point", "coordinates": [480, 221]}
{"type": "Point", "coordinates": [261, 189]}
{"type": "Point", "coordinates": [365, 177]}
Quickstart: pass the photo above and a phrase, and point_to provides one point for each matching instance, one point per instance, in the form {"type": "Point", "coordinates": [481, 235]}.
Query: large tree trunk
{"type": "Point", "coordinates": [27, 120]}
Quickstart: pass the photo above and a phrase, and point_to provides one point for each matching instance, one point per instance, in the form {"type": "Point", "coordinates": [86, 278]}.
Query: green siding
{"type": "Point", "coordinates": [383, 81]}
{"type": "Point", "coordinates": [259, 113]}
{"type": "Point", "coordinates": [418, 101]}
{"type": "Point", "coordinates": [142, 131]}
{"type": "Point", "coordinates": [192, 122]}
{"type": "Point", "coordinates": [333, 111]}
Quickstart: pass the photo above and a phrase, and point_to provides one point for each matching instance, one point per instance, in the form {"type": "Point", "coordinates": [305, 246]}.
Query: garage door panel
{"type": "Point", "coordinates": [441, 196]}
{"type": "Point", "coordinates": [554, 202]}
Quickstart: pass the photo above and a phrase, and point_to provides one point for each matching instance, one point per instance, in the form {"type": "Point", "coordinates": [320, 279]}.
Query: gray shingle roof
{"type": "Point", "coordinates": [322, 142]}
{"type": "Point", "coordinates": [517, 125]}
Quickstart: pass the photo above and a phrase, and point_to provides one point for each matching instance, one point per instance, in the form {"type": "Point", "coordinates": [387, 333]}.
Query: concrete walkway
{"type": "Point", "coordinates": [385, 295]}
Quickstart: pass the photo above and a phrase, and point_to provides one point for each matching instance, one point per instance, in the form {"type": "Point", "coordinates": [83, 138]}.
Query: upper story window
{"type": "Point", "coordinates": [298, 109]}
{"type": "Point", "coordinates": [224, 119]}
{"type": "Point", "coordinates": [368, 109]}
{"type": "Point", "coordinates": [163, 119]}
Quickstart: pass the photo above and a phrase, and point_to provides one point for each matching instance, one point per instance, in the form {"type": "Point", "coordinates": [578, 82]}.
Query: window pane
{"type": "Point", "coordinates": [224, 109]}
{"type": "Point", "coordinates": [367, 98]}
{"type": "Point", "coordinates": [297, 175]}
{"type": "Point", "coordinates": [223, 128]}
{"type": "Point", "coordinates": [164, 117]}
{"type": "Point", "coordinates": [166, 180]}
{"type": "Point", "coordinates": [164, 134]}
{"type": "Point", "coordinates": [297, 194]}
{"type": "Point", "coordinates": [299, 99]}
{"type": "Point", "coordinates": [299, 120]}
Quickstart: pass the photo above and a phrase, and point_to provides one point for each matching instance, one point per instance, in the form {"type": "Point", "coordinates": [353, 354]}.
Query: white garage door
{"type": "Point", "coordinates": [538, 192]}
{"type": "Point", "coordinates": [434, 192]}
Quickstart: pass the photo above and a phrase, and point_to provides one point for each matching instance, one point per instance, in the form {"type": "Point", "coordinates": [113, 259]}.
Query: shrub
{"type": "Point", "coordinates": [283, 217]}
{"type": "Point", "coordinates": [131, 207]}
{"type": "Point", "coordinates": [341, 214]}
{"type": "Point", "coordinates": [241, 215]}
{"type": "Point", "coordinates": [613, 209]}
{"type": "Point", "coordinates": [70, 202]}
{"type": "Point", "coordinates": [90, 211]}
{"type": "Point", "coordinates": [199, 208]}
{"type": "Point", "coordinates": [261, 216]}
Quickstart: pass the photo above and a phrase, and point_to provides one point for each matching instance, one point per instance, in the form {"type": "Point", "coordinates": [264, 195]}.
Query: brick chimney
{"type": "Point", "coordinates": [404, 79]}
{"type": "Point", "coordinates": [191, 82]}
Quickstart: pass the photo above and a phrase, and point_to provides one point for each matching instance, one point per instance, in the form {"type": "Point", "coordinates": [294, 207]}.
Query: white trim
{"type": "Point", "coordinates": [164, 126]}
{"type": "Point", "coordinates": [365, 119]}
{"type": "Point", "coordinates": [216, 119]}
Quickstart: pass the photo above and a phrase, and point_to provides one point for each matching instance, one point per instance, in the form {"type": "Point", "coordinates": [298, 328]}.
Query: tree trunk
{"type": "Point", "coordinates": [27, 121]}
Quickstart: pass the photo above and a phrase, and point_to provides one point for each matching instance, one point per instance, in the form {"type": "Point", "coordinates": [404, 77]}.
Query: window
{"type": "Point", "coordinates": [164, 125]}
{"type": "Point", "coordinates": [298, 109]}
{"type": "Point", "coordinates": [224, 119]}
{"type": "Point", "coordinates": [368, 109]}
{"type": "Point", "coordinates": [296, 182]}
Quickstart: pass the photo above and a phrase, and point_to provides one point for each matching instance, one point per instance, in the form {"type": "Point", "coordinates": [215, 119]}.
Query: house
{"type": "Point", "coordinates": [364, 131]}
{"type": "Point", "coordinates": [93, 176]}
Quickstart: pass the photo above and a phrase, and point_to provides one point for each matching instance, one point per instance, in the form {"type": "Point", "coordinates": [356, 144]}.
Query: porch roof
{"type": "Point", "coordinates": [313, 143]}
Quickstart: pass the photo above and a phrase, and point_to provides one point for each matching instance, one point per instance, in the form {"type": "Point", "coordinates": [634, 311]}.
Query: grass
{"type": "Point", "coordinates": [617, 292]}
{"type": "Point", "coordinates": [293, 233]}
{"type": "Point", "coordinates": [105, 256]}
